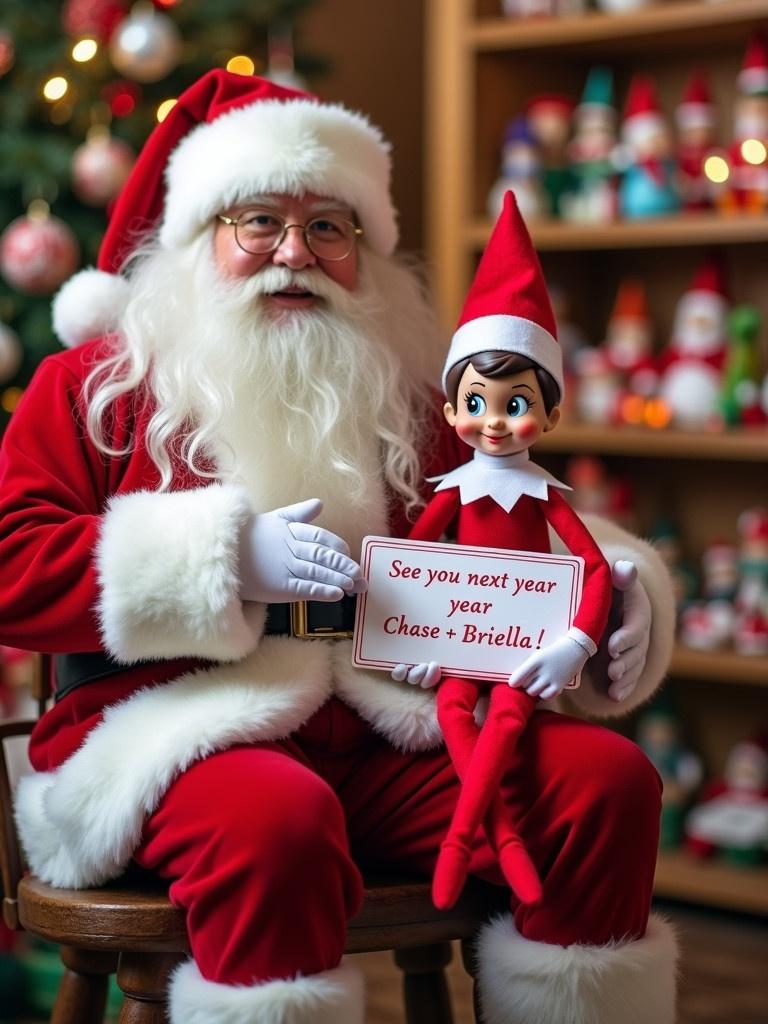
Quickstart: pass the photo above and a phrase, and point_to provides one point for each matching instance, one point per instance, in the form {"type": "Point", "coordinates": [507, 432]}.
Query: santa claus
{"type": "Point", "coordinates": [251, 397]}
{"type": "Point", "coordinates": [691, 366]}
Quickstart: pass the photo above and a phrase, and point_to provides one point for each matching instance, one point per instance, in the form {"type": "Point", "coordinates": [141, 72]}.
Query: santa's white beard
{"type": "Point", "coordinates": [291, 404]}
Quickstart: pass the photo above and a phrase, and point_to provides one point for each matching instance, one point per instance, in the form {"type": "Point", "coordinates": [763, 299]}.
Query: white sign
{"type": "Point", "coordinates": [478, 612]}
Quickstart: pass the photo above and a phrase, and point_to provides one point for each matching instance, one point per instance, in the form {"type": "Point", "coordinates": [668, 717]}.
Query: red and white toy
{"type": "Point", "coordinates": [692, 364]}
{"type": "Point", "coordinates": [733, 815]}
{"type": "Point", "coordinates": [504, 381]}
{"type": "Point", "coordinates": [695, 119]}
{"type": "Point", "coordinates": [751, 627]}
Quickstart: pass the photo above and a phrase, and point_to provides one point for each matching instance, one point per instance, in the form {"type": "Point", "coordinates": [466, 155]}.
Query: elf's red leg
{"type": "Point", "coordinates": [481, 777]}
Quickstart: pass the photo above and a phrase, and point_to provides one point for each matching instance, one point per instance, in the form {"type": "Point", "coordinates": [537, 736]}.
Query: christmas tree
{"type": "Point", "coordinates": [81, 85]}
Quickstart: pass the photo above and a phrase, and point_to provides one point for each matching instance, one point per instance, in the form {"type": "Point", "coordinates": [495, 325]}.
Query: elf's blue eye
{"type": "Point", "coordinates": [475, 405]}
{"type": "Point", "coordinates": [518, 406]}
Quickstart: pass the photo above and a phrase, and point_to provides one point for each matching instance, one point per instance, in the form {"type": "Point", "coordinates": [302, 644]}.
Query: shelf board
{"type": "Point", "coordinates": [719, 666]}
{"type": "Point", "coordinates": [711, 882]}
{"type": "Point", "coordinates": [680, 230]}
{"type": "Point", "coordinates": [698, 22]}
{"type": "Point", "coordinates": [740, 445]}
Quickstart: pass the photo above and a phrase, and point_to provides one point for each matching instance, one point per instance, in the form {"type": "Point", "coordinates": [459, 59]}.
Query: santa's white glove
{"type": "Point", "coordinates": [547, 672]}
{"type": "Point", "coordinates": [283, 558]}
{"type": "Point", "coordinates": [628, 646]}
{"type": "Point", "coordinates": [425, 674]}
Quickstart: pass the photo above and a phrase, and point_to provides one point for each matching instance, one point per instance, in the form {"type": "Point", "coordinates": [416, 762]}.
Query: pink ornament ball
{"type": "Point", "coordinates": [38, 254]}
{"type": "Point", "coordinates": [100, 168]}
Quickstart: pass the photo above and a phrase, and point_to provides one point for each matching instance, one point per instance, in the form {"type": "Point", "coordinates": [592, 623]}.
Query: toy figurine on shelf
{"type": "Point", "coordinates": [732, 818]}
{"type": "Point", "coordinates": [691, 366]}
{"type": "Point", "coordinates": [751, 628]}
{"type": "Point", "coordinates": [504, 379]}
{"type": "Point", "coordinates": [665, 537]}
{"type": "Point", "coordinates": [649, 185]}
{"type": "Point", "coordinates": [740, 394]}
{"type": "Point", "coordinates": [598, 387]}
{"type": "Point", "coordinates": [571, 337]}
{"type": "Point", "coordinates": [549, 119]}
{"type": "Point", "coordinates": [520, 173]}
{"type": "Point", "coordinates": [748, 153]}
{"type": "Point", "coordinates": [628, 344]}
{"type": "Point", "coordinates": [541, 8]}
{"type": "Point", "coordinates": [708, 624]}
{"type": "Point", "coordinates": [681, 771]}
{"type": "Point", "coordinates": [695, 138]}
{"type": "Point", "coordinates": [591, 154]}
{"type": "Point", "coordinates": [622, 6]}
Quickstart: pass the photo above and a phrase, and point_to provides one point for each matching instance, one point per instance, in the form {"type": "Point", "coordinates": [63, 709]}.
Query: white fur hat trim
{"type": "Point", "coordinates": [87, 305]}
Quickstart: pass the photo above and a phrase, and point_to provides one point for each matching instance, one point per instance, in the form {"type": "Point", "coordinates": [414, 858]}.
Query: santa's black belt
{"type": "Point", "coordinates": [307, 620]}
{"type": "Point", "coordinates": [312, 620]}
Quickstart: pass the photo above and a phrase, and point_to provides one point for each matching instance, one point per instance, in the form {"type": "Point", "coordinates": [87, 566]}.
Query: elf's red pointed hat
{"type": "Point", "coordinates": [227, 138]}
{"type": "Point", "coordinates": [696, 108]}
{"type": "Point", "coordinates": [508, 307]}
{"type": "Point", "coordinates": [753, 77]}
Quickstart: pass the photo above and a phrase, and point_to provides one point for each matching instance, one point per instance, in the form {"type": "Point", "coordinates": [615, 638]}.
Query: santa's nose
{"type": "Point", "coordinates": [293, 251]}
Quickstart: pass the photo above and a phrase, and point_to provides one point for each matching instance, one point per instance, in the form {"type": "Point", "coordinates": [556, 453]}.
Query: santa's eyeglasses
{"type": "Point", "coordinates": [260, 232]}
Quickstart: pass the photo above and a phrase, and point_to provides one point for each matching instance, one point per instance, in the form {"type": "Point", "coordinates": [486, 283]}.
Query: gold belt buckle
{"type": "Point", "coordinates": [302, 630]}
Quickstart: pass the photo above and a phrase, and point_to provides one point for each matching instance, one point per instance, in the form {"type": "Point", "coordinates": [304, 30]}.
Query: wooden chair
{"type": "Point", "coordinates": [130, 927]}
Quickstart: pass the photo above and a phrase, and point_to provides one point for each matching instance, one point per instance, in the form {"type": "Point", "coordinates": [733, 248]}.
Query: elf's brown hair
{"type": "Point", "coordinates": [496, 363]}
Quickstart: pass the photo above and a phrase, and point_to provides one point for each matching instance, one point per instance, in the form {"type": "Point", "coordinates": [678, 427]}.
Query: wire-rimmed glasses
{"type": "Point", "coordinates": [260, 232]}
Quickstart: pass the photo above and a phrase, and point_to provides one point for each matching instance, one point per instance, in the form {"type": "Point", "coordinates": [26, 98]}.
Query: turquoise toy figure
{"type": "Point", "coordinates": [649, 187]}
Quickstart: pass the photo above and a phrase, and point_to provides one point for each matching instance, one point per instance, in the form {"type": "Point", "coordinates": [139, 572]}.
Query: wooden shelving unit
{"type": "Point", "coordinates": [712, 882]}
{"type": "Point", "coordinates": [681, 230]}
{"type": "Point", "coordinates": [482, 67]}
{"type": "Point", "coordinates": [742, 445]}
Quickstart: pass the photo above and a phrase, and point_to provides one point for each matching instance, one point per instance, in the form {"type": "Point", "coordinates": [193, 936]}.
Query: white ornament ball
{"type": "Point", "coordinates": [38, 254]}
{"type": "Point", "coordinates": [100, 168]}
{"type": "Point", "coordinates": [11, 354]}
{"type": "Point", "coordinates": [146, 46]}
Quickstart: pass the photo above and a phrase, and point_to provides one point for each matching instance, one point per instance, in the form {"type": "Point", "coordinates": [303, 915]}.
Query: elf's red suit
{"type": "Point", "coordinates": [481, 756]}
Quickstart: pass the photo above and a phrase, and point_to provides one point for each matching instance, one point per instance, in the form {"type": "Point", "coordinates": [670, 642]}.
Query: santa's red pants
{"type": "Point", "coordinates": [263, 843]}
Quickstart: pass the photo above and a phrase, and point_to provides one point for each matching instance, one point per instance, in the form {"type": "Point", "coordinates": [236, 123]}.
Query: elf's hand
{"type": "Point", "coordinates": [546, 673]}
{"type": "Point", "coordinates": [628, 646]}
{"type": "Point", "coordinates": [426, 674]}
{"type": "Point", "coordinates": [284, 558]}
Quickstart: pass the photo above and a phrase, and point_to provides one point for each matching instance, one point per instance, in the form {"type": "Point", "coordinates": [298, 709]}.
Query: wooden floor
{"type": "Point", "coordinates": [724, 973]}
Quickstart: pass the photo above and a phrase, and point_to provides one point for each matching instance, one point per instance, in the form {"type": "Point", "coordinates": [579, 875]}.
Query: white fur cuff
{"type": "Point", "coordinates": [524, 982]}
{"type": "Point", "coordinates": [168, 570]}
{"type": "Point", "coordinates": [332, 997]}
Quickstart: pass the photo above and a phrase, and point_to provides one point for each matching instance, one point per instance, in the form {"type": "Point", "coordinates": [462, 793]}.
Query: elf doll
{"type": "Point", "coordinates": [504, 382]}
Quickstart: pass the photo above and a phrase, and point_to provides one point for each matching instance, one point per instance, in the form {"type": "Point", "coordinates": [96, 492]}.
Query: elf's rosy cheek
{"type": "Point", "coordinates": [467, 431]}
{"type": "Point", "coordinates": [527, 428]}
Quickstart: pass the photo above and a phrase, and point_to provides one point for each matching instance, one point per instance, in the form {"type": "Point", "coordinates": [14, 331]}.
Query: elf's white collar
{"type": "Point", "coordinates": [505, 478]}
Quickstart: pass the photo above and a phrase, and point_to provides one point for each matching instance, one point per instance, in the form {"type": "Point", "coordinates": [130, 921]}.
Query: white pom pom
{"type": "Point", "coordinates": [88, 305]}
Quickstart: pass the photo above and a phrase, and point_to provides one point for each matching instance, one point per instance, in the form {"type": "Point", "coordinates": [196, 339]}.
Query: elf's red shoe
{"type": "Point", "coordinates": [519, 871]}
{"type": "Point", "coordinates": [450, 875]}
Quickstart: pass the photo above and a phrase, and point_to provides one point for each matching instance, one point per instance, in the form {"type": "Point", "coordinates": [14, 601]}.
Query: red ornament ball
{"type": "Point", "coordinates": [37, 254]}
{"type": "Point", "coordinates": [11, 354]}
{"type": "Point", "coordinates": [96, 18]}
{"type": "Point", "coordinates": [100, 168]}
{"type": "Point", "coordinates": [7, 52]}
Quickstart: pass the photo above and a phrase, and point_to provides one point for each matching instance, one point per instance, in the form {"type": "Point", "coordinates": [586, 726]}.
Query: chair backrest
{"type": "Point", "coordinates": [12, 864]}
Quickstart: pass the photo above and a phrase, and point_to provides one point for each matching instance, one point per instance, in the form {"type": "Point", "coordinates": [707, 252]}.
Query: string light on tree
{"type": "Point", "coordinates": [164, 109]}
{"type": "Point", "coordinates": [55, 88]}
{"type": "Point", "coordinates": [146, 46]}
{"type": "Point", "coordinates": [38, 252]}
{"type": "Point", "coordinates": [84, 50]}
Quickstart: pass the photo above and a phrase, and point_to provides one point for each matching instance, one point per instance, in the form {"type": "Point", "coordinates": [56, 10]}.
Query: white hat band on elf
{"type": "Point", "coordinates": [227, 139]}
{"type": "Point", "coordinates": [507, 307]}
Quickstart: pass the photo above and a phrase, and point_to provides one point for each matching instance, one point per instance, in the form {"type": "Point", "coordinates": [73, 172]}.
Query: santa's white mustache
{"type": "Point", "coordinates": [270, 280]}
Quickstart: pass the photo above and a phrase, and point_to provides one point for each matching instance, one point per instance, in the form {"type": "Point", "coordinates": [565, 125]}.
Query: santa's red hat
{"type": "Point", "coordinates": [507, 308]}
{"type": "Point", "coordinates": [642, 116]}
{"type": "Point", "coordinates": [230, 137]}
{"type": "Point", "coordinates": [696, 109]}
{"type": "Point", "coordinates": [753, 77]}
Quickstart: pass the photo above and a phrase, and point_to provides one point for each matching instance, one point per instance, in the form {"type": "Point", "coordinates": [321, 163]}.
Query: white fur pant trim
{"type": "Point", "coordinates": [332, 997]}
{"type": "Point", "coordinates": [524, 982]}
